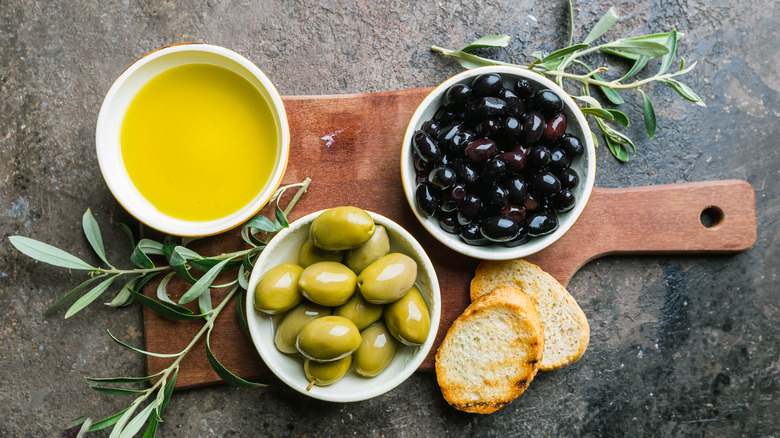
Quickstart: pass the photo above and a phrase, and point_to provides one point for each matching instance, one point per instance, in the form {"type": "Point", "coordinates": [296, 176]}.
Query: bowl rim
{"type": "Point", "coordinates": [494, 251]}
{"type": "Point", "coordinates": [156, 219]}
{"type": "Point", "coordinates": [375, 385]}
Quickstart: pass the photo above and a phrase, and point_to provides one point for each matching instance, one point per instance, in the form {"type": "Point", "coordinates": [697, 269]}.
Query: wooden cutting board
{"type": "Point", "coordinates": [349, 145]}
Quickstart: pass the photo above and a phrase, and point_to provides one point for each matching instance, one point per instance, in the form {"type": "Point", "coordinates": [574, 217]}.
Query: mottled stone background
{"type": "Point", "coordinates": [680, 346]}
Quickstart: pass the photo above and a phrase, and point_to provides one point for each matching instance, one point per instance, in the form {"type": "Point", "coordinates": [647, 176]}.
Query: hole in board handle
{"type": "Point", "coordinates": [712, 217]}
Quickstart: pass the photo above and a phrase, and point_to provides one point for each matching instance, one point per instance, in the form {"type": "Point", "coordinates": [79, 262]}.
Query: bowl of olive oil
{"type": "Point", "coordinates": [192, 139]}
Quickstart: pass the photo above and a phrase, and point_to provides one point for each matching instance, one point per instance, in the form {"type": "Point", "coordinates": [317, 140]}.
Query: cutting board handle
{"type": "Point", "coordinates": [699, 217]}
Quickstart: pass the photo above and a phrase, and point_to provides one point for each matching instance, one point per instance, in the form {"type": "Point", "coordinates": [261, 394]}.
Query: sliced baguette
{"type": "Point", "coordinates": [491, 353]}
{"type": "Point", "coordinates": [566, 329]}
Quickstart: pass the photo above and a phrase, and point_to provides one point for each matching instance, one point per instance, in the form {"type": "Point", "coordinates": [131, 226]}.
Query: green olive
{"type": "Point", "coordinates": [359, 311]}
{"type": "Point", "coordinates": [388, 278]}
{"type": "Point", "coordinates": [310, 255]}
{"type": "Point", "coordinates": [325, 373]}
{"type": "Point", "coordinates": [408, 319]}
{"type": "Point", "coordinates": [289, 326]}
{"type": "Point", "coordinates": [277, 290]}
{"type": "Point", "coordinates": [327, 283]}
{"type": "Point", "coordinates": [377, 247]}
{"type": "Point", "coordinates": [341, 228]}
{"type": "Point", "coordinates": [376, 350]}
{"type": "Point", "coordinates": [328, 338]}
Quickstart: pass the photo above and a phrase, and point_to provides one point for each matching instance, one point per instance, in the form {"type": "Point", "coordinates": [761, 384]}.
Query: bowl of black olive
{"type": "Point", "coordinates": [498, 162]}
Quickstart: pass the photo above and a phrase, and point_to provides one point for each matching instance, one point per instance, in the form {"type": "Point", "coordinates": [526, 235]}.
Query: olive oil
{"type": "Point", "coordinates": [199, 142]}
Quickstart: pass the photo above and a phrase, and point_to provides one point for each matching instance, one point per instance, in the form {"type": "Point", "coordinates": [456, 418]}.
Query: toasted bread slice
{"type": "Point", "coordinates": [566, 329]}
{"type": "Point", "coordinates": [491, 353]}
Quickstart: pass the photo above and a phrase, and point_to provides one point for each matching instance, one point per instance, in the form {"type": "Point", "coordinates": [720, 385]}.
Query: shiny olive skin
{"type": "Point", "coordinates": [328, 338]}
{"type": "Point", "coordinates": [277, 290]}
{"type": "Point", "coordinates": [341, 228]}
{"type": "Point", "coordinates": [377, 247]}
{"type": "Point", "coordinates": [407, 319]}
{"type": "Point", "coordinates": [359, 311]}
{"type": "Point", "coordinates": [376, 350]}
{"type": "Point", "coordinates": [289, 326]}
{"type": "Point", "coordinates": [326, 373]}
{"type": "Point", "coordinates": [388, 278]}
{"type": "Point", "coordinates": [311, 254]}
{"type": "Point", "coordinates": [327, 283]}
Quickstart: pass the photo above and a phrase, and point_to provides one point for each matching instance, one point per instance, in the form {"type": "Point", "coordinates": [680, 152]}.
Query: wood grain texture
{"type": "Point", "coordinates": [349, 146]}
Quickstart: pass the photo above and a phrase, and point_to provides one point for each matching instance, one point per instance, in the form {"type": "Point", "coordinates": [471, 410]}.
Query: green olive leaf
{"type": "Point", "coordinates": [117, 430]}
{"type": "Point", "coordinates": [603, 25]}
{"type": "Point", "coordinates": [206, 264]}
{"type": "Point", "coordinates": [571, 22]}
{"type": "Point", "coordinates": [281, 219]}
{"type": "Point", "coordinates": [598, 112]}
{"type": "Point", "coordinates": [123, 379]}
{"type": "Point", "coordinates": [659, 38]}
{"type": "Point", "coordinates": [638, 47]}
{"type": "Point", "coordinates": [68, 297]}
{"type": "Point", "coordinates": [685, 91]}
{"type": "Point", "coordinates": [174, 311]}
{"type": "Point", "coordinates": [162, 289]}
{"type": "Point", "coordinates": [169, 244]}
{"type": "Point", "coordinates": [140, 259]}
{"type": "Point", "coordinates": [108, 421]}
{"type": "Point", "coordinates": [204, 304]}
{"type": "Point", "coordinates": [589, 100]}
{"type": "Point", "coordinates": [639, 64]}
{"type": "Point", "coordinates": [649, 114]}
{"type": "Point", "coordinates": [467, 60]}
{"type": "Point", "coordinates": [90, 296]}
{"type": "Point", "coordinates": [243, 278]}
{"type": "Point", "coordinates": [262, 223]}
{"type": "Point", "coordinates": [138, 350]}
{"type": "Point", "coordinates": [150, 247]}
{"type": "Point", "coordinates": [202, 285]}
{"type": "Point", "coordinates": [554, 59]}
{"type": "Point", "coordinates": [136, 423]}
{"type": "Point", "coordinates": [240, 315]}
{"type": "Point", "coordinates": [154, 421]}
{"type": "Point", "coordinates": [609, 93]}
{"type": "Point", "coordinates": [179, 265]}
{"type": "Point", "coordinates": [488, 41]}
{"type": "Point", "coordinates": [117, 391]}
{"type": "Point", "coordinates": [666, 61]}
{"type": "Point", "coordinates": [619, 117]}
{"type": "Point", "coordinates": [187, 253]}
{"type": "Point", "coordinates": [223, 372]}
{"type": "Point", "coordinates": [169, 390]}
{"type": "Point", "coordinates": [92, 232]}
{"type": "Point", "coordinates": [128, 232]}
{"type": "Point", "coordinates": [46, 253]}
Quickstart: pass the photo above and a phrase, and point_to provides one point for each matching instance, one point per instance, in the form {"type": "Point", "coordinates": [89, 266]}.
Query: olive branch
{"type": "Point", "coordinates": [182, 261]}
{"type": "Point", "coordinates": [640, 50]}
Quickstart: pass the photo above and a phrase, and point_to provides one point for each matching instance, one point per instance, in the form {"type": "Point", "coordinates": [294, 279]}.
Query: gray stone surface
{"type": "Point", "coordinates": [681, 346]}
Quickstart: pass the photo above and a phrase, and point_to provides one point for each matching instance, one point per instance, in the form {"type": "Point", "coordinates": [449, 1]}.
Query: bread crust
{"type": "Point", "coordinates": [567, 332]}
{"type": "Point", "coordinates": [491, 353]}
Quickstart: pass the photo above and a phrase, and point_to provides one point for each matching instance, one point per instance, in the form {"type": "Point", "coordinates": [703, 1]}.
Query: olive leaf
{"type": "Point", "coordinates": [671, 44]}
{"type": "Point", "coordinates": [140, 258]}
{"type": "Point", "coordinates": [128, 232]}
{"type": "Point", "coordinates": [123, 379]}
{"type": "Point", "coordinates": [598, 112]}
{"type": "Point", "coordinates": [138, 350]}
{"type": "Point", "coordinates": [619, 117]}
{"type": "Point", "coordinates": [638, 47]}
{"type": "Point", "coordinates": [108, 421]}
{"type": "Point", "coordinates": [281, 219]}
{"type": "Point", "coordinates": [46, 253]}
{"type": "Point", "coordinates": [602, 26]}
{"type": "Point", "coordinates": [162, 289]}
{"type": "Point", "coordinates": [117, 391]}
{"type": "Point", "coordinates": [685, 91]}
{"type": "Point", "coordinates": [174, 311]}
{"type": "Point", "coordinates": [204, 304]}
{"type": "Point", "coordinates": [150, 247]}
{"type": "Point", "coordinates": [554, 59]}
{"type": "Point", "coordinates": [90, 296]}
{"type": "Point", "coordinates": [223, 372]}
{"type": "Point", "coordinates": [488, 41]}
{"type": "Point", "coordinates": [115, 433]}
{"type": "Point", "coordinates": [242, 324]}
{"type": "Point", "coordinates": [179, 264]}
{"type": "Point", "coordinates": [638, 65]}
{"type": "Point", "coordinates": [92, 232]}
{"type": "Point", "coordinates": [136, 423]}
{"type": "Point", "coordinates": [68, 297]}
{"type": "Point", "coordinates": [649, 114]}
{"type": "Point", "coordinates": [203, 283]}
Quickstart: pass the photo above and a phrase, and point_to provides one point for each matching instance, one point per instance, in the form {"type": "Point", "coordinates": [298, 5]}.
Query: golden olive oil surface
{"type": "Point", "coordinates": [199, 142]}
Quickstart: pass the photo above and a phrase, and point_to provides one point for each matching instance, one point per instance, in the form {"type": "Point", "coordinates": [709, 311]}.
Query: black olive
{"type": "Point", "coordinates": [469, 208]}
{"type": "Point", "coordinates": [572, 145]}
{"type": "Point", "coordinates": [465, 172]}
{"type": "Point", "coordinates": [472, 235]}
{"type": "Point", "coordinates": [548, 102]}
{"type": "Point", "coordinates": [559, 159]}
{"type": "Point", "coordinates": [496, 195]}
{"type": "Point", "coordinates": [486, 107]}
{"type": "Point", "coordinates": [480, 150]}
{"type": "Point", "coordinates": [524, 89]}
{"type": "Point", "coordinates": [442, 177]}
{"type": "Point", "coordinates": [511, 129]}
{"type": "Point", "coordinates": [487, 128]}
{"type": "Point", "coordinates": [541, 223]}
{"type": "Point", "coordinates": [452, 197]}
{"type": "Point", "coordinates": [513, 102]}
{"type": "Point", "coordinates": [563, 201]}
{"type": "Point", "coordinates": [488, 84]}
{"type": "Point", "coordinates": [533, 126]}
{"type": "Point", "coordinates": [499, 228]}
{"type": "Point", "coordinates": [515, 161]}
{"type": "Point", "coordinates": [545, 184]}
{"type": "Point", "coordinates": [449, 223]}
{"type": "Point", "coordinates": [432, 127]}
{"type": "Point", "coordinates": [425, 146]}
{"type": "Point", "coordinates": [428, 198]}
{"type": "Point", "coordinates": [493, 169]}
{"type": "Point", "coordinates": [568, 177]}
{"type": "Point", "coordinates": [518, 189]}
{"type": "Point", "coordinates": [556, 127]}
{"type": "Point", "coordinates": [447, 133]}
{"type": "Point", "coordinates": [458, 95]}
{"type": "Point", "coordinates": [539, 157]}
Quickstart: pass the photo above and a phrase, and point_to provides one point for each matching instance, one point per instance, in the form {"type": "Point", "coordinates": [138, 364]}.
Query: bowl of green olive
{"type": "Point", "coordinates": [343, 305]}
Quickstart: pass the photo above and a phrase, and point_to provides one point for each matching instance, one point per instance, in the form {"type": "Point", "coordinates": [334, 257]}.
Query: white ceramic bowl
{"type": "Point", "coordinates": [584, 165]}
{"type": "Point", "coordinates": [283, 248]}
{"type": "Point", "coordinates": [111, 116]}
